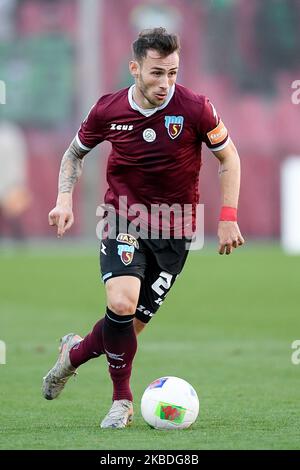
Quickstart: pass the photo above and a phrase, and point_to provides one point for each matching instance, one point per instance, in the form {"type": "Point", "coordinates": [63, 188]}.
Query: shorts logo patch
{"type": "Point", "coordinates": [129, 239]}
{"type": "Point", "coordinates": [174, 125]}
{"type": "Point", "coordinates": [126, 253]}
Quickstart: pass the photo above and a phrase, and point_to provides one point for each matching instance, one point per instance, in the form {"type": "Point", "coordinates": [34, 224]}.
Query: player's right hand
{"type": "Point", "coordinates": [61, 217]}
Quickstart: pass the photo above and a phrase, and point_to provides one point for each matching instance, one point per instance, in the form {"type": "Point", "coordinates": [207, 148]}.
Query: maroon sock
{"type": "Point", "coordinates": [120, 347]}
{"type": "Point", "coordinates": [90, 347]}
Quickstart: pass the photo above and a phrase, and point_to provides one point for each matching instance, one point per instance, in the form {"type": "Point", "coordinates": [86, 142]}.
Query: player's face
{"type": "Point", "coordinates": [154, 77]}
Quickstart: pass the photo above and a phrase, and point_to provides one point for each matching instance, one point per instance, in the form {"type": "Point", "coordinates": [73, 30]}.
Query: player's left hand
{"type": "Point", "coordinates": [229, 237]}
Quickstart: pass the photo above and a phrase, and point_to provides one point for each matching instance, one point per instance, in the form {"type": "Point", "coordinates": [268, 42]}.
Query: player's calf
{"type": "Point", "coordinates": [138, 326]}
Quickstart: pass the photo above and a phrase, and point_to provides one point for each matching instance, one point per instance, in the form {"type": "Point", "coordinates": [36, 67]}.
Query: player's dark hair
{"type": "Point", "coordinates": [158, 39]}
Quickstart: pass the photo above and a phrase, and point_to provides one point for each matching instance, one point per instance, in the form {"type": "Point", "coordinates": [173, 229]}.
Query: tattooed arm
{"type": "Point", "coordinates": [70, 168]}
{"type": "Point", "coordinates": [70, 171]}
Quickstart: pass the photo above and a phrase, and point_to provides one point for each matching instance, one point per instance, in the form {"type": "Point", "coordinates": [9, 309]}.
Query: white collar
{"type": "Point", "coordinates": [150, 111]}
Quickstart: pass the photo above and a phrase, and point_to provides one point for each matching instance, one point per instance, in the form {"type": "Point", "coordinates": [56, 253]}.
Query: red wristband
{"type": "Point", "coordinates": [228, 214]}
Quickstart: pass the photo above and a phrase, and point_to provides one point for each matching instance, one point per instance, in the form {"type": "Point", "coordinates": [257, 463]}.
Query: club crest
{"type": "Point", "coordinates": [126, 253]}
{"type": "Point", "coordinates": [174, 125]}
{"type": "Point", "coordinates": [127, 238]}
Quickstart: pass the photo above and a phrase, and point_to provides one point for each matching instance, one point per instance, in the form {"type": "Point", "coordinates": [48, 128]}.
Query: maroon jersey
{"type": "Point", "coordinates": [156, 154]}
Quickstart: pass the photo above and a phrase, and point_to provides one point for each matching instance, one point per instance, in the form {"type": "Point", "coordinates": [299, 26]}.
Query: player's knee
{"type": "Point", "coordinates": [138, 325]}
{"type": "Point", "coordinates": [122, 306]}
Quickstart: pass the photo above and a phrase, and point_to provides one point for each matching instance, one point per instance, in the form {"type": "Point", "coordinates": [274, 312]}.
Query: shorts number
{"type": "Point", "coordinates": [163, 283]}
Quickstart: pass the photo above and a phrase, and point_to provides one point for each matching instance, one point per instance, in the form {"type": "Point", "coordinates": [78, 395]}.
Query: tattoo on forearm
{"type": "Point", "coordinates": [222, 170]}
{"type": "Point", "coordinates": [70, 168]}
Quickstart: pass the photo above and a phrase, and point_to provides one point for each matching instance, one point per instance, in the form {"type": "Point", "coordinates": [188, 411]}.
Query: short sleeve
{"type": "Point", "coordinates": [212, 128]}
{"type": "Point", "coordinates": [90, 133]}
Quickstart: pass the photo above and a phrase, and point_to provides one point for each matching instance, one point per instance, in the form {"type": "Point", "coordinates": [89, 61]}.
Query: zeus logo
{"type": "Point", "coordinates": [121, 127]}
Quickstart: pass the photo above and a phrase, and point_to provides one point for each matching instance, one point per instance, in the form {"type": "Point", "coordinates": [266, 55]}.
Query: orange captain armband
{"type": "Point", "coordinates": [228, 214]}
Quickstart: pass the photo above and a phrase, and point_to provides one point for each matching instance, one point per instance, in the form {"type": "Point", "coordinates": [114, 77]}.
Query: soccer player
{"type": "Point", "coordinates": [156, 128]}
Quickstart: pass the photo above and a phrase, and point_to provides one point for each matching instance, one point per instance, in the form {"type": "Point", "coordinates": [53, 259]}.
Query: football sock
{"type": "Point", "coordinates": [90, 347]}
{"type": "Point", "coordinates": [120, 347]}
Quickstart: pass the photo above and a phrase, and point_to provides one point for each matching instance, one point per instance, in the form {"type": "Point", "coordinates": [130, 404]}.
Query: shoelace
{"type": "Point", "coordinates": [61, 380]}
{"type": "Point", "coordinates": [115, 411]}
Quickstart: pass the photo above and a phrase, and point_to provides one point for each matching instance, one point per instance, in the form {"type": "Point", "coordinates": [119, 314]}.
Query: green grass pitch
{"type": "Point", "coordinates": [226, 327]}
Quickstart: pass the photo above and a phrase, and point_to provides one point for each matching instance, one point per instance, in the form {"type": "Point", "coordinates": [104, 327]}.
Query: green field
{"type": "Point", "coordinates": [226, 327]}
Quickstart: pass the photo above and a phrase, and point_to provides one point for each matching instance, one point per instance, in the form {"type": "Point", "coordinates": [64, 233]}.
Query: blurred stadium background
{"type": "Point", "coordinates": [56, 58]}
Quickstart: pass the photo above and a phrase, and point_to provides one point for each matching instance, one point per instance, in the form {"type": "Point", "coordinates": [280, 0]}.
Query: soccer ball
{"type": "Point", "coordinates": [170, 403]}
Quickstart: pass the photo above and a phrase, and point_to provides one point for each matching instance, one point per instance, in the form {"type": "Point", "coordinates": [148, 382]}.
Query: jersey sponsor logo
{"type": "Point", "coordinates": [127, 238]}
{"type": "Point", "coordinates": [121, 127]}
{"type": "Point", "coordinates": [149, 135]}
{"type": "Point", "coordinates": [218, 134]}
{"type": "Point", "coordinates": [174, 125]}
{"type": "Point", "coordinates": [126, 253]}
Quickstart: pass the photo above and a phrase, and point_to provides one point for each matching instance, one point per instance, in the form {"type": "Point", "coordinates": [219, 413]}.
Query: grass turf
{"type": "Point", "coordinates": [226, 327]}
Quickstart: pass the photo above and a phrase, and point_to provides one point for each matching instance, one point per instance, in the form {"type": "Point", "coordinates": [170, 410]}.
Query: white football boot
{"type": "Point", "coordinates": [119, 416]}
{"type": "Point", "coordinates": [57, 377]}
